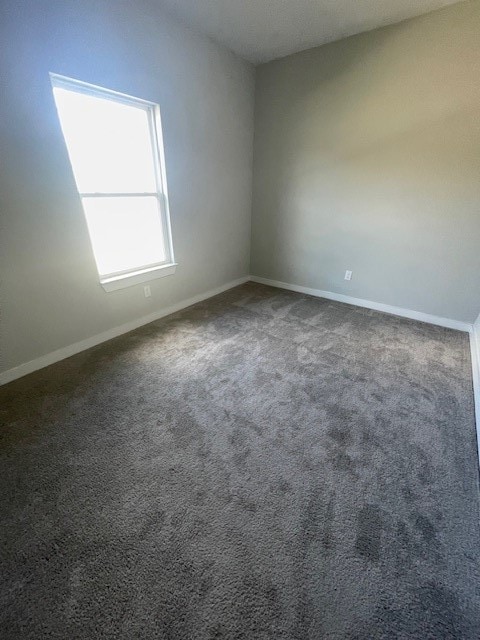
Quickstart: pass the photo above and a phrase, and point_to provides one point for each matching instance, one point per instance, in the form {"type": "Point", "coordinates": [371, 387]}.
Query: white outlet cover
{"type": "Point", "coordinates": [147, 291]}
{"type": "Point", "coordinates": [348, 275]}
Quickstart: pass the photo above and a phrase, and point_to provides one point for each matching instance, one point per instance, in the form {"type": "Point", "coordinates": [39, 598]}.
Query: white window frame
{"type": "Point", "coordinates": [122, 279]}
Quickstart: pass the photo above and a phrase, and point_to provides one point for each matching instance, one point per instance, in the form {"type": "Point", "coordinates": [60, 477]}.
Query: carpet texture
{"type": "Point", "coordinates": [263, 465]}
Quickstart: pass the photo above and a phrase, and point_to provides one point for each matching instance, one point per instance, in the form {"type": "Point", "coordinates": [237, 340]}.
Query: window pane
{"type": "Point", "coordinates": [108, 143]}
{"type": "Point", "coordinates": [126, 233]}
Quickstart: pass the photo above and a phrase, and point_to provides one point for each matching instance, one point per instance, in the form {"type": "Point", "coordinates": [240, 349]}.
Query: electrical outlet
{"type": "Point", "coordinates": [147, 291]}
{"type": "Point", "coordinates": [348, 275]}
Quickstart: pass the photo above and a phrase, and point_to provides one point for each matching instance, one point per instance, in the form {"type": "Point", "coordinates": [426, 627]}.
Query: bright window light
{"type": "Point", "coordinates": [114, 145]}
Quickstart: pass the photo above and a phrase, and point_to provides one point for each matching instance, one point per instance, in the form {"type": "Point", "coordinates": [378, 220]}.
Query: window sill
{"type": "Point", "coordinates": [137, 277]}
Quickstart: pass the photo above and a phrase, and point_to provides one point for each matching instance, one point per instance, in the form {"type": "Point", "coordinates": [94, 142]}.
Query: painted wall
{"type": "Point", "coordinates": [367, 157]}
{"type": "Point", "coordinates": [50, 296]}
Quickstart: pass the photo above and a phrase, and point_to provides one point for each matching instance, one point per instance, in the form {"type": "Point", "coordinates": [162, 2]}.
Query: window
{"type": "Point", "coordinates": [115, 148]}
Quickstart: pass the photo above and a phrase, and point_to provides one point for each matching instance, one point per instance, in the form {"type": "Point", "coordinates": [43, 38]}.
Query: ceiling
{"type": "Point", "coordinates": [262, 30]}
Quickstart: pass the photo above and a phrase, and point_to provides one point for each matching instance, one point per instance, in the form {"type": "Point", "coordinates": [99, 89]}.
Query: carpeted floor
{"type": "Point", "coordinates": [264, 465]}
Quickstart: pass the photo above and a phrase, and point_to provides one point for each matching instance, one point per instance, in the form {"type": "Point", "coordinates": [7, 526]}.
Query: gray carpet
{"type": "Point", "coordinates": [264, 465]}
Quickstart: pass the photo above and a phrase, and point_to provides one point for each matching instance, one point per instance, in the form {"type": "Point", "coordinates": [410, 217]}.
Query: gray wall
{"type": "Point", "coordinates": [367, 157]}
{"type": "Point", "coordinates": [50, 296]}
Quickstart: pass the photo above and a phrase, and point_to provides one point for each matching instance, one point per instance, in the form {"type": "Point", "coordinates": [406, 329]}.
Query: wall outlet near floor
{"type": "Point", "coordinates": [348, 275]}
{"type": "Point", "coordinates": [147, 291]}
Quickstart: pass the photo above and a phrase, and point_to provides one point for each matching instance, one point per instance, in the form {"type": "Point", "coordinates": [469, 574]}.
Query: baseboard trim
{"type": "Point", "coordinates": [475, 349]}
{"type": "Point", "coordinates": [368, 304]}
{"type": "Point", "coordinates": [72, 349]}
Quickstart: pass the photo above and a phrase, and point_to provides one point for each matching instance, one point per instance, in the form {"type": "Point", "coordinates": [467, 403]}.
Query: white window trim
{"type": "Point", "coordinates": [137, 277]}
{"type": "Point", "coordinates": [116, 281]}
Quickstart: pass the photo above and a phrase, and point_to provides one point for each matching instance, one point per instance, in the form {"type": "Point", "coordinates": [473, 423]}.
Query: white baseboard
{"type": "Point", "coordinates": [475, 348]}
{"type": "Point", "coordinates": [368, 304]}
{"type": "Point", "coordinates": [77, 347]}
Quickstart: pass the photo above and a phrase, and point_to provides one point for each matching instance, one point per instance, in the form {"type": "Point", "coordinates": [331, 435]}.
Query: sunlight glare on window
{"type": "Point", "coordinates": [108, 143]}
{"type": "Point", "coordinates": [113, 145]}
{"type": "Point", "coordinates": [121, 241]}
